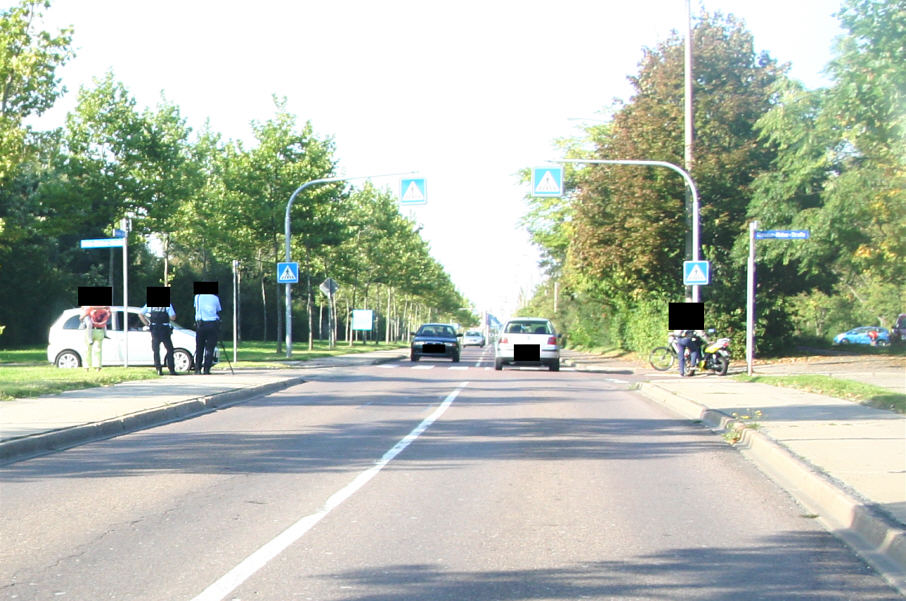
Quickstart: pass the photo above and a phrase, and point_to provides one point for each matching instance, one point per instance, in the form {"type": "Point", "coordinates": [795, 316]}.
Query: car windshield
{"type": "Point", "coordinates": [529, 327]}
{"type": "Point", "coordinates": [437, 330]}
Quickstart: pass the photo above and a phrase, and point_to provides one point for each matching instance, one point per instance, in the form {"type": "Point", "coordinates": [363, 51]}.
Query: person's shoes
{"type": "Point", "coordinates": [173, 373]}
{"type": "Point", "coordinates": [160, 372]}
{"type": "Point", "coordinates": [197, 372]}
{"type": "Point", "coordinates": [207, 372]}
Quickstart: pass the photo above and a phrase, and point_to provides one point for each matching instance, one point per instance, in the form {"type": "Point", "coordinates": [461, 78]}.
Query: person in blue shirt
{"type": "Point", "coordinates": [158, 320]}
{"type": "Point", "coordinates": [207, 330]}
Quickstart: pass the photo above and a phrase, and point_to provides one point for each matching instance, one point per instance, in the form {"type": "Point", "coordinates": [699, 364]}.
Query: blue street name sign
{"type": "Point", "coordinates": [103, 243]}
{"type": "Point", "coordinates": [413, 192]}
{"type": "Point", "coordinates": [783, 234]}
{"type": "Point", "coordinates": [547, 181]}
{"type": "Point", "coordinates": [696, 273]}
{"type": "Point", "coordinates": [288, 273]}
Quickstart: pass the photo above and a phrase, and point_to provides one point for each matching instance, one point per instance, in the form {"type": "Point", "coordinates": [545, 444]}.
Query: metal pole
{"type": "Point", "coordinates": [750, 300]}
{"type": "Point", "coordinates": [286, 233]}
{"type": "Point", "coordinates": [235, 312]}
{"type": "Point", "coordinates": [125, 295]}
{"type": "Point", "coordinates": [686, 177]}
{"type": "Point", "coordinates": [688, 121]}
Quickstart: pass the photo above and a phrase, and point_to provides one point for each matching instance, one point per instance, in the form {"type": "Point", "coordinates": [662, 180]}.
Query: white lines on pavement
{"type": "Point", "coordinates": [257, 560]}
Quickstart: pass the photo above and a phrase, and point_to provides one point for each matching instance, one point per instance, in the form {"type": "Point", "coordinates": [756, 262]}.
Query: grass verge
{"type": "Point", "coordinates": [859, 392]}
{"type": "Point", "coordinates": [25, 372]}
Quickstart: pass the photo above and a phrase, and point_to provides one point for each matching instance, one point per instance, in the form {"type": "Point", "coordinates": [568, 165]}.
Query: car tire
{"type": "Point", "coordinates": [413, 357]}
{"type": "Point", "coordinates": [456, 358]}
{"type": "Point", "coordinates": [498, 364]}
{"type": "Point", "coordinates": [554, 365]}
{"type": "Point", "coordinates": [68, 359]}
{"type": "Point", "coordinates": [183, 360]}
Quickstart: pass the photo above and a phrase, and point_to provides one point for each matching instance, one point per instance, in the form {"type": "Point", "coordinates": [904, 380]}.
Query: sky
{"type": "Point", "coordinates": [466, 94]}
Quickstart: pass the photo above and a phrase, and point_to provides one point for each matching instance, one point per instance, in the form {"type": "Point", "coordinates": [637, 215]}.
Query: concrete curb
{"type": "Point", "coordinates": [875, 536]}
{"type": "Point", "coordinates": [17, 449]}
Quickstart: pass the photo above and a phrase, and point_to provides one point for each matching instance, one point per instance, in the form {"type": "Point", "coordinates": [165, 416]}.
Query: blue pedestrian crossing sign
{"type": "Point", "coordinates": [413, 192]}
{"type": "Point", "coordinates": [288, 273]}
{"type": "Point", "coordinates": [547, 181]}
{"type": "Point", "coordinates": [696, 273]}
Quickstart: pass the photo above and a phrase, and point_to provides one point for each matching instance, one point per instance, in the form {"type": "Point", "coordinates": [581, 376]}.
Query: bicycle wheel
{"type": "Point", "coordinates": [662, 358]}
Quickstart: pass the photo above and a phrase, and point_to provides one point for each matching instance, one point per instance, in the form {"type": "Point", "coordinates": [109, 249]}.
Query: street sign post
{"type": "Point", "coordinates": [754, 235]}
{"type": "Point", "coordinates": [103, 243]}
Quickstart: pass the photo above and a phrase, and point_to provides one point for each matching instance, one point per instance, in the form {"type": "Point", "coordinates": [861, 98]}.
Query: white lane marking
{"type": "Point", "coordinates": [257, 560]}
{"type": "Point", "coordinates": [460, 367]}
{"type": "Point", "coordinates": [423, 367]}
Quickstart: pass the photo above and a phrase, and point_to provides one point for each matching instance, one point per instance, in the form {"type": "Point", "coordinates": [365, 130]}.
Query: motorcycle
{"type": "Point", "coordinates": [715, 356]}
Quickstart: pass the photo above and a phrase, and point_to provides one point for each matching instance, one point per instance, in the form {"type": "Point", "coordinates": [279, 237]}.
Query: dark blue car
{"type": "Point", "coordinates": [435, 340]}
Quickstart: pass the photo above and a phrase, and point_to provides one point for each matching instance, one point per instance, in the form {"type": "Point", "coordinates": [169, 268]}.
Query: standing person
{"type": "Point", "coordinates": [686, 339]}
{"type": "Point", "coordinates": [207, 325]}
{"type": "Point", "coordinates": [95, 319]}
{"type": "Point", "coordinates": [158, 320]}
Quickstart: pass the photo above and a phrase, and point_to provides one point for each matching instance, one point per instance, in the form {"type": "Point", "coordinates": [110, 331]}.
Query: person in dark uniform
{"type": "Point", "coordinates": [158, 319]}
{"type": "Point", "coordinates": [207, 325]}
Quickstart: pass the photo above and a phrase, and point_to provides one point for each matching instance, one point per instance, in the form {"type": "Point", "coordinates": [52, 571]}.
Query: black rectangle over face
{"type": "Point", "coordinates": [157, 296]}
{"type": "Point", "coordinates": [205, 288]}
{"type": "Point", "coordinates": [686, 316]}
{"type": "Point", "coordinates": [95, 295]}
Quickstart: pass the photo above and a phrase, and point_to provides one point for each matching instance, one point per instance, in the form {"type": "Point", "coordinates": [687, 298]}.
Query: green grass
{"type": "Point", "coordinates": [26, 372]}
{"type": "Point", "coordinates": [859, 392]}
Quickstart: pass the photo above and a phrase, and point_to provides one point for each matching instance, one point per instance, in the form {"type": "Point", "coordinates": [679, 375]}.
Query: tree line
{"type": "Point", "coordinates": [196, 202]}
{"type": "Point", "coordinates": [830, 160]}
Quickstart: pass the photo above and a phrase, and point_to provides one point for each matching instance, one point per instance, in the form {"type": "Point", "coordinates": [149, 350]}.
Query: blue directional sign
{"type": "Point", "coordinates": [547, 181]}
{"type": "Point", "coordinates": [288, 273]}
{"type": "Point", "coordinates": [413, 192]}
{"type": "Point", "coordinates": [696, 273]}
{"type": "Point", "coordinates": [103, 243]}
{"type": "Point", "coordinates": [783, 234]}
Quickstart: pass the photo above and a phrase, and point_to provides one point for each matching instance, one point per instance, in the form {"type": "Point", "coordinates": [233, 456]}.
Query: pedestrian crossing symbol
{"type": "Point", "coordinates": [288, 273]}
{"type": "Point", "coordinates": [413, 192]}
{"type": "Point", "coordinates": [547, 181]}
{"type": "Point", "coordinates": [696, 273]}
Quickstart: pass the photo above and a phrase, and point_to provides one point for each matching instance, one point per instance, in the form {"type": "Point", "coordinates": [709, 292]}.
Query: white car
{"type": "Point", "coordinates": [66, 342]}
{"type": "Point", "coordinates": [528, 341]}
{"type": "Point", "coordinates": [473, 338]}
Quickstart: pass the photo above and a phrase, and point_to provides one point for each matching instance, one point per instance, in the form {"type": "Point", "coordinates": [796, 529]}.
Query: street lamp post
{"type": "Point", "coordinates": [286, 232]}
{"type": "Point", "coordinates": [686, 177]}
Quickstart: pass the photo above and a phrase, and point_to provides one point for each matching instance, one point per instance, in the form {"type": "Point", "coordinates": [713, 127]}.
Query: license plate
{"type": "Point", "coordinates": [526, 352]}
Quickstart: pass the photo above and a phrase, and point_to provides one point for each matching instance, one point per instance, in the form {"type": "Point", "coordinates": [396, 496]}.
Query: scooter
{"type": "Point", "coordinates": [715, 356]}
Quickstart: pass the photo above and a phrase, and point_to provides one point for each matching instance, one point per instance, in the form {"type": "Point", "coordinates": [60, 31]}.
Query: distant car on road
{"type": "Point", "coordinates": [473, 338]}
{"type": "Point", "coordinates": [528, 341]}
{"type": "Point", "coordinates": [66, 341]}
{"type": "Point", "coordinates": [861, 335]}
{"type": "Point", "coordinates": [435, 340]}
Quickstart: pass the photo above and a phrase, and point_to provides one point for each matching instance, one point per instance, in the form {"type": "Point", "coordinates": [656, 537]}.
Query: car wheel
{"type": "Point", "coordinates": [68, 359]}
{"type": "Point", "coordinates": [554, 365]}
{"type": "Point", "coordinates": [844, 341]}
{"type": "Point", "coordinates": [456, 358]}
{"type": "Point", "coordinates": [413, 357]}
{"type": "Point", "coordinates": [498, 364]}
{"type": "Point", "coordinates": [182, 360]}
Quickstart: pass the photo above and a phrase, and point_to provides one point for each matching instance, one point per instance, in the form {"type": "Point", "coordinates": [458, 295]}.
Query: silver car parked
{"type": "Point", "coordinates": [528, 341]}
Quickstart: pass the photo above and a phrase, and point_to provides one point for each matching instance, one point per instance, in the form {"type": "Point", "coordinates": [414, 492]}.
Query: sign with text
{"type": "Point", "coordinates": [362, 319]}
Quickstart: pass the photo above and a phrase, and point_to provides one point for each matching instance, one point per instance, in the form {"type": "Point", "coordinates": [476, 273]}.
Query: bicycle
{"type": "Point", "coordinates": [663, 358]}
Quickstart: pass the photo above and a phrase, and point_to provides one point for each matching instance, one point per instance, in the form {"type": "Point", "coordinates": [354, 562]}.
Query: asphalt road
{"type": "Point", "coordinates": [418, 481]}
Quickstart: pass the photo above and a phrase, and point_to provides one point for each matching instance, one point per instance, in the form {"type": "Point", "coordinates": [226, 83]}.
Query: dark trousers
{"type": "Point", "coordinates": [161, 334]}
{"type": "Point", "coordinates": [681, 345]}
{"type": "Point", "coordinates": [206, 335]}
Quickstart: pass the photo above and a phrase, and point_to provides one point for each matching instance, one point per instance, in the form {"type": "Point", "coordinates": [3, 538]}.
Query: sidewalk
{"type": "Point", "coordinates": [35, 426]}
{"type": "Point", "coordinates": [844, 462]}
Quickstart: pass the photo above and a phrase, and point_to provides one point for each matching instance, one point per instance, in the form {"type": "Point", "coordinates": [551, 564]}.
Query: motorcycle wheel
{"type": "Point", "coordinates": [662, 358]}
{"type": "Point", "coordinates": [723, 364]}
